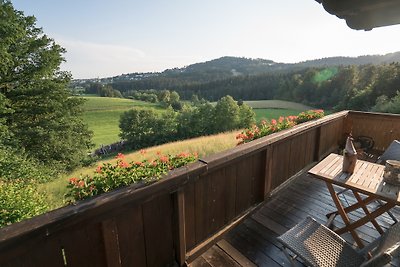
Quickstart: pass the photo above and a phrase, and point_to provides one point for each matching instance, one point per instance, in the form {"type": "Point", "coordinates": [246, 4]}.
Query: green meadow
{"type": "Point", "coordinates": [102, 116]}
{"type": "Point", "coordinates": [273, 109]}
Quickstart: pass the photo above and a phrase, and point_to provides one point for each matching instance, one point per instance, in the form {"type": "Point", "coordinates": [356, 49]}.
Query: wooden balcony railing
{"type": "Point", "coordinates": [179, 217]}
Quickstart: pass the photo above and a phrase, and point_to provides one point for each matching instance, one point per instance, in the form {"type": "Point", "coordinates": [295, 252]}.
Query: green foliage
{"type": "Point", "coordinates": [16, 165]}
{"type": "Point", "coordinates": [110, 176]}
{"type": "Point", "coordinates": [384, 104]}
{"type": "Point", "coordinates": [108, 91]}
{"type": "Point", "coordinates": [226, 114]}
{"type": "Point", "coordinates": [268, 127]}
{"type": "Point", "coordinates": [42, 119]}
{"type": "Point", "coordinates": [246, 116]}
{"type": "Point", "coordinates": [309, 115]}
{"type": "Point", "coordinates": [20, 200]}
{"type": "Point", "coordinates": [145, 127]}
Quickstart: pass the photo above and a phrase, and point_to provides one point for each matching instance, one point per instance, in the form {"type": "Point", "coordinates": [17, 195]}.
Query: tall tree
{"type": "Point", "coordinates": [226, 114]}
{"type": "Point", "coordinates": [44, 120]}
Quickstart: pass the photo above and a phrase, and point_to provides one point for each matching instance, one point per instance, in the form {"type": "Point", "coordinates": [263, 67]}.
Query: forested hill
{"type": "Point", "coordinates": [228, 67]}
{"type": "Point", "coordinates": [363, 83]}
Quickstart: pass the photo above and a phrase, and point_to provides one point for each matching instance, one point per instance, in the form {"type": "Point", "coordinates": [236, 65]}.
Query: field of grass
{"type": "Point", "coordinates": [102, 116]}
{"type": "Point", "coordinates": [204, 146]}
{"type": "Point", "coordinates": [274, 113]}
{"type": "Point", "coordinates": [277, 104]}
{"type": "Point", "coordinates": [273, 109]}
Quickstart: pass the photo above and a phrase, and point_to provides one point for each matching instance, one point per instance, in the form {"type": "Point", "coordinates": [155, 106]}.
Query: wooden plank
{"type": "Point", "coordinates": [201, 211]}
{"type": "Point", "coordinates": [190, 218]}
{"type": "Point", "coordinates": [46, 254]}
{"type": "Point", "coordinates": [199, 249]}
{"type": "Point", "coordinates": [251, 248]}
{"type": "Point", "coordinates": [297, 155]}
{"type": "Point", "coordinates": [111, 243]}
{"type": "Point", "coordinates": [217, 257]}
{"type": "Point", "coordinates": [219, 196]}
{"type": "Point", "coordinates": [131, 237]}
{"type": "Point", "coordinates": [264, 243]}
{"type": "Point", "coordinates": [200, 262]}
{"type": "Point", "coordinates": [311, 146]}
{"type": "Point", "coordinates": [235, 254]}
{"type": "Point", "coordinates": [268, 172]}
{"type": "Point", "coordinates": [83, 246]}
{"type": "Point", "coordinates": [243, 185]}
{"type": "Point", "coordinates": [257, 174]}
{"type": "Point", "coordinates": [230, 200]}
{"type": "Point", "coordinates": [179, 224]}
{"type": "Point", "coordinates": [157, 223]}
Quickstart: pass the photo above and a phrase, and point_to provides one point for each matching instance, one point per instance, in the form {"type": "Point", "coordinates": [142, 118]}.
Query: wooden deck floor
{"type": "Point", "coordinates": [253, 242]}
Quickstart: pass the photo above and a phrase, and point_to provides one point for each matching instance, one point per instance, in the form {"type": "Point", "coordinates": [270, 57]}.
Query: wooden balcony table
{"type": "Point", "coordinates": [367, 179]}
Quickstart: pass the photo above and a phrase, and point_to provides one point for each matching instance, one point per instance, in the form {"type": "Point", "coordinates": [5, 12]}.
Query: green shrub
{"type": "Point", "coordinates": [19, 200]}
{"type": "Point", "coordinates": [110, 176]}
{"type": "Point", "coordinates": [15, 165]}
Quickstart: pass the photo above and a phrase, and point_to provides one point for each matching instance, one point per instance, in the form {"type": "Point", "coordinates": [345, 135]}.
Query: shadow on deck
{"type": "Point", "coordinates": [253, 242]}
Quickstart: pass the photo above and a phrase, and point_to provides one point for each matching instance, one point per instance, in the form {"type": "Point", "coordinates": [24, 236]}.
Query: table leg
{"type": "Point", "coordinates": [343, 214]}
{"type": "Point", "coordinates": [366, 219]}
{"type": "Point", "coordinates": [354, 206]}
{"type": "Point", "coordinates": [367, 213]}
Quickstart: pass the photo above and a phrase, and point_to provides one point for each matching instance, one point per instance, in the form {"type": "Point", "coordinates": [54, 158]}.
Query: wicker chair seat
{"type": "Point", "coordinates": [318, 246]}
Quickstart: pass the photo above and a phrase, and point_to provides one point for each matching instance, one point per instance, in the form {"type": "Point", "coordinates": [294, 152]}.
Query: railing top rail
{"type": "Point", "coordinates": [364, 113]}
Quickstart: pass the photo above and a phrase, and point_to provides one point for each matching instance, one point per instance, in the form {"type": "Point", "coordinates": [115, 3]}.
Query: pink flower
{"type": "Point", "coordinates": [98, 169]}
{"type": "Point", "coordinates": [120, 156]}
{"type": "Point", "coordinates": [138, 163]}
{"type": "Point", "coordinates": [273, 122]}
{"type": "Point", "coordinates": [123, 164]}
{"type": "Point", "coordinates": [143, 151]}
{"type": "Point", "coordinates": [164, 159]}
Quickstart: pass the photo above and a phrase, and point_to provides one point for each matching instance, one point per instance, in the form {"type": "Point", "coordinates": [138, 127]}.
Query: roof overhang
{"type": "Point", "coordinates": [364, 14]}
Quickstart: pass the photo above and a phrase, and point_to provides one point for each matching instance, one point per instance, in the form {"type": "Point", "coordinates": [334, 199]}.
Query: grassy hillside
{"type": "Point", "coordinates": [207, 145]}
{"type": "Point", "coordinates": [102, 116]}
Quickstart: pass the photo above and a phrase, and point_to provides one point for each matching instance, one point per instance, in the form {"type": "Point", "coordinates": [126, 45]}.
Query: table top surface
{"type": "Point", "coordinates": [367, 177]}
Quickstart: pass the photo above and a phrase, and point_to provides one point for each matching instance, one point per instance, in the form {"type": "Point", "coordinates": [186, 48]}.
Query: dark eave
{"type": "Point", "coordinates": [364, 14]}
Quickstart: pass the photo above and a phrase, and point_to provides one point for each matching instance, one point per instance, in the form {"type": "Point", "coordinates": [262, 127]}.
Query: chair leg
{"type": "Point", "coordinates": [292, 259]}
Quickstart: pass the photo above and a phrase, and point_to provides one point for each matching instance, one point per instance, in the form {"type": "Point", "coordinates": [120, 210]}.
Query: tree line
{"type": "Point", "coordinates": [365, 87]}
{"type": "Point", "coordinates": [147, 127]}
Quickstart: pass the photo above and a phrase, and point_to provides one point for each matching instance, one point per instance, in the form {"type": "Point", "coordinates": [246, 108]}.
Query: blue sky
{"type": "Point", "coordinates": [107, 38]}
